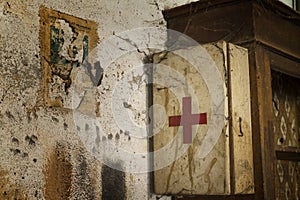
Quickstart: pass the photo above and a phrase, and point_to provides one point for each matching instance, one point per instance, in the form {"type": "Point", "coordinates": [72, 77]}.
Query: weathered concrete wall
{"type": "Point", "coordinates": [41, 154]}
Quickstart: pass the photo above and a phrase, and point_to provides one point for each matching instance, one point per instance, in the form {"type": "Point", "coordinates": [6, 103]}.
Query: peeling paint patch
{"type": "Point", "coordinates": [65, 43]}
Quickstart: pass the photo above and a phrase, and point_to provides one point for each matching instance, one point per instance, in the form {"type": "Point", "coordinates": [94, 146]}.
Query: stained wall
{"type": "Point", "coordinates": [42, 156]}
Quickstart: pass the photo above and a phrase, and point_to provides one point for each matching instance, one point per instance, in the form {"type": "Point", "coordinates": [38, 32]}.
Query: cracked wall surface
{"type": "Point", "coordinates": [41, 154]}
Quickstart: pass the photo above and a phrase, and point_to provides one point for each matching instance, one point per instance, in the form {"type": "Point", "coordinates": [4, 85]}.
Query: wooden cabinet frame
{"type": "Point", "coordinates": [270, 31]}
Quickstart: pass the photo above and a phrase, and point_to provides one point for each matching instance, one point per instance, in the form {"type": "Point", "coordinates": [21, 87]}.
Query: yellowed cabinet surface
{"type": "Point", "coordinates": [201, 121]}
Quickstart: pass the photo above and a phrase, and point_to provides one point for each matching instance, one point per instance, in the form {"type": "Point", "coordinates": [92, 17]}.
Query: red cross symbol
{"type": "Point", "coordinates": [187, 119]}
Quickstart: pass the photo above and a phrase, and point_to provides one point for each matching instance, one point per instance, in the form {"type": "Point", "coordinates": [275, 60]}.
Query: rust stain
{"type": "Point", "coordinates": [131, 178]}
{"type": "Point", "coordinates": [58, 175]}
{"type": "Point", "coordinates": [9, 190]}
{"type": "Point", "coordinates": [185, 74]}
{"type": "Point", "coordinates": [170, 176]}
{"type": "Point", "coordinates": [174, 134]}
{"type": "Point", "coordinates": [191, 165]}
{"type": "Point", "coordinates": [97, 109]}
{"type": "Point", "coordinates": [207, 172]}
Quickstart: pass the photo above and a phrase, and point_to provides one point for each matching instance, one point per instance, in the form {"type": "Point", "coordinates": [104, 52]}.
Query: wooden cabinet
{"type": "Point", "coordinates": [271, 33]}
{"type": "Point", "coordinates": [202, 121]}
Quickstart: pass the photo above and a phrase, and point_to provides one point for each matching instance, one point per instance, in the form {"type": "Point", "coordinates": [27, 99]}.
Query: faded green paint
{"type": "Point", "coordinates": [85, 47]}
{"type": "Point", "coordinates": [56, 44]}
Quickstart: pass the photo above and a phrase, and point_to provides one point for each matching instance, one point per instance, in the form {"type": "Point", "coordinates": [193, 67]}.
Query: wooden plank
{"type": "Point", "coordinates": [256, 138]}
{"type": "Point", "coordinates": [243, 178]}
{"type": "Point", "coordinates": [192, 173]}
{"type": "Point", "coordinates": [287, 40]}
{"type": "Point", "coordinates": [231, 22]}
{"type": "Point", "coordinates": [197, 6]}
{"type": "Point", "coordinates": [288, 155]}
{"type": "Point", "coordinates": [288, 149]}
{"type": "Point", "coordinates": [239, 22]}
{"type": "Point", "coordinates": [264, 116]}
{"type": "Point", "coordinates": [219, 197]}
{"type": "Point", "coordinates": [286, 65]}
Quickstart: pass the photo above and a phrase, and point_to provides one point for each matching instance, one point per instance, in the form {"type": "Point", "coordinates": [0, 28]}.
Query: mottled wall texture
{"type": "Point", "coordinates": [42, 45]}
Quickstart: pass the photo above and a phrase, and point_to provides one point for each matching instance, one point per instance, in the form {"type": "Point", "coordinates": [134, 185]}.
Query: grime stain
{"type": "Point", "coordinates": [58, 175]}
{"type": "Point", "coordinates": [113, 183]}
{"type": "Point", "coordinates": [8, 190]}
{"type": "Point", "coordinates": [207, 173]}
{"type": "Point", "coordinates": [191, 165]}
{"type": "Point", "coordinates": [84, 185]}
{"type": "Point", "coordinates": [31, 140]}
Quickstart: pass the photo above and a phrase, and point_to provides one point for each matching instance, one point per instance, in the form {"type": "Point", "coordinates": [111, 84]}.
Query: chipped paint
{"type": "Point", "coordinates": [70, 40]}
